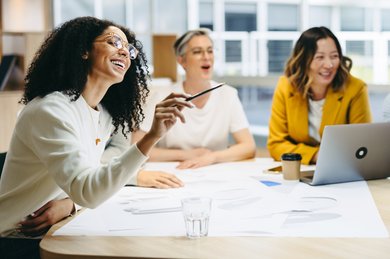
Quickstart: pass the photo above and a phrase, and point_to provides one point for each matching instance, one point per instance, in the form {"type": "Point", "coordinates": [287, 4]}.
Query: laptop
{"type": "Point", "coordinates": [352, 152]}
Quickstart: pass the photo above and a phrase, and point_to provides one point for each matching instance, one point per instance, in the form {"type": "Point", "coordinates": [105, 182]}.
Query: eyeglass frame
{"type": "Point", "coordinates": [209, 51]}
{"type": "Point", "coordinates": [124, 44]}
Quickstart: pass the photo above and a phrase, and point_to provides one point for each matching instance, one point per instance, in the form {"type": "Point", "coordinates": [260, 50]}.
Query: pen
{"type": "Point", "coordinates": [203, 92]}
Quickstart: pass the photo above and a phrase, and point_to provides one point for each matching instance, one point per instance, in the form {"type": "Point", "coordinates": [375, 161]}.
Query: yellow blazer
{"type": "Point", "coordinates": [289, 122]}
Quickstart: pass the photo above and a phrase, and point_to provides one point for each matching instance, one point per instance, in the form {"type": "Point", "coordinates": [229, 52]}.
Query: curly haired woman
{"type": "Point", "coordinates": [86, 83]}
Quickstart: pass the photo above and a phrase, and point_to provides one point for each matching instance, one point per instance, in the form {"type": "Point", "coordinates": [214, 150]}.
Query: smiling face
{"type": "Point", "coordinates": [108, 62]}
{"type": "Point", "coordinates": [198, 60]}
{"type": "Point", "coordinates": [325, 63]}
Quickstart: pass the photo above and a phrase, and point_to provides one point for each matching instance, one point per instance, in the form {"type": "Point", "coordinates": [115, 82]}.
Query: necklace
{"type": "Point", "coordinates": [97, 140]}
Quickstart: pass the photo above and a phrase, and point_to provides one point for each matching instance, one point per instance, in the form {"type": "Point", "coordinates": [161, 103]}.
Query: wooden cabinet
{"type": "Point", "coordinates": [164, 59]}
{"type": "Point", "coordinates": [9, 108]}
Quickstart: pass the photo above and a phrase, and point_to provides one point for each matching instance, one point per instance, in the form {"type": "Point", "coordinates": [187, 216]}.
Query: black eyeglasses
{"type": "Point", "coordinates": [116, 41]}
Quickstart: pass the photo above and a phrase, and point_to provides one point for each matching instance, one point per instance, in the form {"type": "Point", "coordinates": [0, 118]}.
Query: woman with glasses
{"type": "Point", "coordinates": [316, 90]}
{"type": "Point", "coordinates": [204, 138]}
{"type": "Point", "coordinates": [86, 83]}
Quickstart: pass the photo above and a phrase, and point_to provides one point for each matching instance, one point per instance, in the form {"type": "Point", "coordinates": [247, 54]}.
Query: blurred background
{"type": "Point", "coordinates": [253, 39]}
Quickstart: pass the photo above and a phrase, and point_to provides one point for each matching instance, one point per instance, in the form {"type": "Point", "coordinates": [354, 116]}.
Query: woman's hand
{"type": "Point", "coordinates": [39, 222]}
{"type": "Point", "coordinates": [197, 162]}
{"type": "Point", "coordinates": [167, 112]}
{"type": "Point", "coordinates": [158, 179]}
{"type": "Point", "coordinates": [165, 116]}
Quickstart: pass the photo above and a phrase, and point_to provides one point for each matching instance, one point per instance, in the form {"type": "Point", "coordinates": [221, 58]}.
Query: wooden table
{"type": "Point", "coordinates": [225, 247]}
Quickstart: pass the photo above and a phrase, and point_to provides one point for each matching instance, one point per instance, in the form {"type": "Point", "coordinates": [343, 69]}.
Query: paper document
{"type": "Point", "coordinates": [245, 202]}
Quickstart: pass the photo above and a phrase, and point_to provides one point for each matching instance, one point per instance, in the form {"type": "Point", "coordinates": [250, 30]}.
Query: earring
{"type": "Point", "coordinates": [85, 56]}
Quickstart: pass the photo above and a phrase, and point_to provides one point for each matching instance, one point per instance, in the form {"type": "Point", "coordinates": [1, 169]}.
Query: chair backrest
{"type": "Point", "coordinates": [2, 160]}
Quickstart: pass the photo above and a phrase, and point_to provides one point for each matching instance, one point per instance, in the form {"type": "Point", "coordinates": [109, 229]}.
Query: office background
{"type": "Point", "coordinates": [253, 38]}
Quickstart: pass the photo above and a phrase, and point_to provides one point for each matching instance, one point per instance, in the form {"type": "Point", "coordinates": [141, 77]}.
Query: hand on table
{"type": "Point", "coordinates": [39, 222]}
{"type": "Point", "coordinates": [206, 159]}
{"type": "Point", "coordinates": [158, 179]}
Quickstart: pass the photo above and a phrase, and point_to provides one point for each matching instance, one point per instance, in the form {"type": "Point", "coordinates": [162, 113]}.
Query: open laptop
{"type": "Point", "coordinates": [352, 152]}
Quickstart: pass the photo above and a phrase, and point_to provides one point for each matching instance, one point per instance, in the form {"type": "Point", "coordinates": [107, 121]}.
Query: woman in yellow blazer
{"type": "Point", "coordinates": [316, 90]}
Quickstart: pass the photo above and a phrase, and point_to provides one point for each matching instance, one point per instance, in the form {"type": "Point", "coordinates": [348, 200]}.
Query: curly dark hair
{"type": "Point", "coordinates": [298, 65]}
{"type": "Point", "coordinates": [58, 66]}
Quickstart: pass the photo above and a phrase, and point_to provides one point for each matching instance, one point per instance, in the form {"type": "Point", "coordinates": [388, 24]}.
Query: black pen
{"type": "Point", "coordinates": [203, 92]}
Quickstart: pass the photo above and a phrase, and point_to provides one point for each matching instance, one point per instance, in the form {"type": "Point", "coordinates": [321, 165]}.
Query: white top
{"type": "Point", "coordinates": [53, 154]}
{"type": "Point", "coordinates": [208, 127]}
{"type": "Point", "coordinates": [386, 108]}
{"type": "Point", "coordinates": [315, 117]}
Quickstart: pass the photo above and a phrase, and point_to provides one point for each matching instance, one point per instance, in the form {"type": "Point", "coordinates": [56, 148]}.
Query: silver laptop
{"type": "Point", "coordinates": [352, 152]}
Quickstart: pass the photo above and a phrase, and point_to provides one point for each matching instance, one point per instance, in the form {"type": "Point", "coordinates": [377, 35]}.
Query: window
{"type": "Point", "coordinates": [170, 16]}
{"type": "Point", "coordinates": [141, 17]}
{"type": "Point", "coordinates": [289, 14]}
{"type": "Point", "coordinates": [254, 37]}
{"type": "Point", "coordinates": [320, 16]}
{"type": "Point", "coordinates": [361, 54]}
{"type": "Point", "coordinates": [388, 60]}
{"type": "Point", "coordinates": [360, 48]}
{"type": "Point", "coordinates": [233, 51]}
{"type": "Point", "coordinates": [385, 19]}
{"type": "Point", "coordinates": [114, 10]}
{"type": "Point", "coordinates": [206, 10]}
{"type": "Point", "coordinates": [278, 53]}
{"type": "Point", "coordinates": [356, 19]}
{"type": "Point", "coordinates": [240, 17]}
{"type": "Point", "coordinates": [74, 8]}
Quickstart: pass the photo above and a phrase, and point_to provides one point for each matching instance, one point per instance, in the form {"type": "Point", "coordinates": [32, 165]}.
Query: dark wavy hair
{"type": "Point", "coordinates": [58, 66]}
{"type": "Point", "coordinates": [298, 65]}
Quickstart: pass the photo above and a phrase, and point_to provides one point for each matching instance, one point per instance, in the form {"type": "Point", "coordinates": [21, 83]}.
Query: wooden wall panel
{"type": "Point", "coordinates": [164, 59]}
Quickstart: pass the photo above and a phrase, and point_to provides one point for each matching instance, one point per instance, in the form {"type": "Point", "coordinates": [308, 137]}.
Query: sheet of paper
{"type": "Point", "coordinates": [245, 202]}
{"type": "Point", "coordinates": [342, 210]}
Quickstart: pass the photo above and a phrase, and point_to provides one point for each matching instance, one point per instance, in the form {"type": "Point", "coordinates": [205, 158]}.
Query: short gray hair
{"type": "Point", "coordinates": [181, 43]}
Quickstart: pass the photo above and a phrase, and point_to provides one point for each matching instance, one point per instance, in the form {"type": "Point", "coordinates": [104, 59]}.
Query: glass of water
{"type": "Point", "coordinates": [196, 212]}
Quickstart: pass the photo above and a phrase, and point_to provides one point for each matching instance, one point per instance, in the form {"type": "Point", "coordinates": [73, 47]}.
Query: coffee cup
{"type": "Point", "coordinates": [291, 166]}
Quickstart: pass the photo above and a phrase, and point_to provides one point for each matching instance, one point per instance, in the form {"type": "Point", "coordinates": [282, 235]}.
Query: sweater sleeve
{"type": "Point", "coordinates": [54, 136]}
{"type": "Point", "coordinates": [115, 147]}
{"type": "Point", "coordinates": [360, 111]}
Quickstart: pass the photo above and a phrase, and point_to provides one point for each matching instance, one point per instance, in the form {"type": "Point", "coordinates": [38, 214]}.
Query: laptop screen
{"type": "Point", "coordinates": [353, 152]}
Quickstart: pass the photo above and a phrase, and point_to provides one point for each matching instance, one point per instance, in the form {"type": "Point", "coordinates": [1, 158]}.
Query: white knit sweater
{"type": "Point", "coordinates": [53, 154]}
